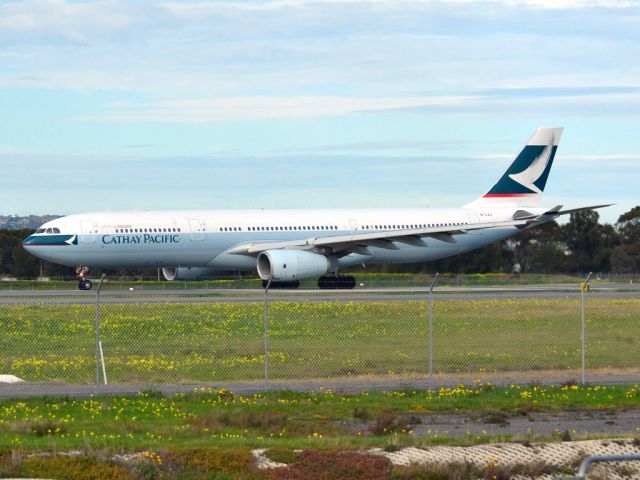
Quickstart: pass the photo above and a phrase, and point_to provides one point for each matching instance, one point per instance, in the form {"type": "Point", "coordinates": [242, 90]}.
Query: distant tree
{"type": "Point", "coordinates": [15, 261]}
{"type": "Point", "coordinates": [628, 226]}
{"type": "Point", "coordinates": [491, 258]}
{"type": "Point", "coordinates": [24, 264]}
{"type": "Point", "coordinates": [621, 261]}
{"type": "Point", "coordinates": [9, 240]}
{"type": "Point", "coordinates": [628, 256]}
{"type": "Point", "coordinates": [589, 243]}
{"type": "Point", "coordinates": [537, 250]}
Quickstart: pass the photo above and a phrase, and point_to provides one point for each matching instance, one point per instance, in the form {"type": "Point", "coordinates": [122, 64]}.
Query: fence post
{"type": "Point", "coordinates": [266, 331]}
{"type": "Point", "coordinates": [99, 355]}
{"type": "Point", "coordinates": [584, 287]}
{"type": "Point", "coordinates": [433, 284]}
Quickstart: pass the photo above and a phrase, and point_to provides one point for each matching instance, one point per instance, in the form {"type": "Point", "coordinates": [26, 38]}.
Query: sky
{"type": "Point", "coordinates": [125, 105]}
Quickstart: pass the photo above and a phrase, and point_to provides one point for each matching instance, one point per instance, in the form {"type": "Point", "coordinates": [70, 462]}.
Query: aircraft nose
{"type": "Point", "coordinates": [27, 243]}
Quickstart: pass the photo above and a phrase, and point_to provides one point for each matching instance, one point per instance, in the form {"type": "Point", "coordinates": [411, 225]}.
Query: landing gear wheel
{"type": "Point", "coordinates": [83, 283]}
{"type": "Point", "coordinates": [288, 285]}
{"type": "Point", "coordinates": [337, 282]}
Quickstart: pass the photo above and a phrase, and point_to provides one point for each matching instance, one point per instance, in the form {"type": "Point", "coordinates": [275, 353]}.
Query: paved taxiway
{"type": "Point", "coordinates": [31, 297]}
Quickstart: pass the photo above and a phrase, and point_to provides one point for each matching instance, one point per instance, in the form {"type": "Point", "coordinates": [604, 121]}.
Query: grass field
{"type": "Point", "coordinates": [181, 342]}
{"type": "Point", "coordinates": [209, 433]}
{"type": "Point", "coordinates": [294, 420]}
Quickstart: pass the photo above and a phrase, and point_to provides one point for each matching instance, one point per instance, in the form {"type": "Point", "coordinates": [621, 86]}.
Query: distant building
{"type": "Point", "coordinates": [16, 222]}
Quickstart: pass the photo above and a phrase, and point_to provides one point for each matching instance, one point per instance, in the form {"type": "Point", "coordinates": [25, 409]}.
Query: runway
{"type": "Point", "coordinates": [133, 296]}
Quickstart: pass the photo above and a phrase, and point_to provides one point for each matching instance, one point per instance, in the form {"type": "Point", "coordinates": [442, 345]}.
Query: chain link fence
{"type": "Point", "coordinates": [364, 339]}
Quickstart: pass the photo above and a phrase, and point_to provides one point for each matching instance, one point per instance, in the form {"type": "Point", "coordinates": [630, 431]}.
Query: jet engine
{"type": "Point", "coordinates": [288, 265]}
{"type": "Point", "coordinates": [190, 273]}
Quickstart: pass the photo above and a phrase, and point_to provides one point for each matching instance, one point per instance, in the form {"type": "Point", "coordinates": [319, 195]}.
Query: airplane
{"type": "Point", "coordinates": [286, 246]}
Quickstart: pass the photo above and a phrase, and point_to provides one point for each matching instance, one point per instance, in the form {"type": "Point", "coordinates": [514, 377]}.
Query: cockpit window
{"type": "Point", "coordinates": [49, 230]}
{"type": "Point", "coordinates": [56, 230]}
{"type": "Point", "coordinates": [40, 230]}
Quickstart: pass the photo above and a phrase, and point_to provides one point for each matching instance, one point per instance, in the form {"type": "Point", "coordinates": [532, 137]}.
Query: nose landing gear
{"type": "Point", "coordinates": [83, 283]}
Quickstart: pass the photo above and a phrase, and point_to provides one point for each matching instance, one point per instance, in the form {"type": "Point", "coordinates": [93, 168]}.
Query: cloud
{"type": "Point", "coordinates": [605, 160]}
{"type": "Point", "coordinates": [71, 21]}
{"type": "Point", "coordinates": [261, 107]}
{"type": "Point", "coordinates": [382, 48]}
{"type": "Point", "coordinates": [256, 108]}
{"type": "Point", "coordinates": [88, 21]}
{"type": "Point", "coordinates": [381, 146]}
{"type": "Point", "coordinates": [198, 9]}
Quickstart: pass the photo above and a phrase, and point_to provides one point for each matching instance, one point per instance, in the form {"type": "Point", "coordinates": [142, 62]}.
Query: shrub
{"type": "Point", "coordinates": [47, 427]}
{"type": "Point", "coordinates": [318, 465]}
{"type": "Point", "coordinates": [266, 422]}
{"type": "Point", "coordinates": [72, 468]}
{"type": "Point", "coordinates": [210, 460]}
{"type": "Point", "coordinates": [388, 422]}
{"type": "Point", "coordinates": [362, 413]}
{"type": "Point", "coordinates": [494, 417]}
{"type": "Point", "coordinates": [282, 455]}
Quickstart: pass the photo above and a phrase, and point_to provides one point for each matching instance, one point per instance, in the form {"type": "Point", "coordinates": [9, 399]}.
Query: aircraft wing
{"type": "Point", "coordinates": [342, 245]}
{"type": "Point", "coordinates": [358, 242]}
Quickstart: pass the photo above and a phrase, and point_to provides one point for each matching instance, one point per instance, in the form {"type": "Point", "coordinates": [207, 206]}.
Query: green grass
{"type": "Point", "coordinates": [209, 433]}
{"type": "Point", "coordinates": [218, 341]}
{"type": "Point", "coordinates": [275, 420]}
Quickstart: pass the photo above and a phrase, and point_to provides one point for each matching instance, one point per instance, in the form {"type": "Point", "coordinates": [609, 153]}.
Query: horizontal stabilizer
{"type": "Point", "coordinates": [582, 209]}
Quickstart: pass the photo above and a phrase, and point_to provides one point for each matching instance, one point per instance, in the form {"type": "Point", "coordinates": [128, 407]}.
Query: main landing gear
{"type": "Point", "coordinates": [337, 282]}
{"type": "Point", "coordinates": [283, 285]}
{"type": "Point", "coordinates": [83, 283]}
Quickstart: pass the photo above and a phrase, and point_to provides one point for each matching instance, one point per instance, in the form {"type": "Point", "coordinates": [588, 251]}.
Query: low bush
{"type": "Point", "coordinates": [47, 427]}
{"type": "Point", "coordinates": [209, 460]}
{"type": "Point", "coordinates": [318, 465]}
{"type": "Point", "coordinates": [388, 423]}
{"type": "Point", "coordinates": [72, 468]}
{"type": "Point", "coordinates": [282, 455]}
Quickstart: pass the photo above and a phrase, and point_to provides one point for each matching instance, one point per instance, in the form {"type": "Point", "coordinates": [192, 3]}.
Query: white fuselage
{"type": "Point", "coordinates": [141, 239]}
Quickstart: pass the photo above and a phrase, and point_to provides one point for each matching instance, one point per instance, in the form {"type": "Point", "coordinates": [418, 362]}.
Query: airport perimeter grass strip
{"type": "Point", "coordinates": [224, 341]}
{"type": "Point", "coordinates": [216, 434]}
{"type": "Point", "coordinates": [500, 461]}
{"type": "Point", "coordinates": [210, 417]}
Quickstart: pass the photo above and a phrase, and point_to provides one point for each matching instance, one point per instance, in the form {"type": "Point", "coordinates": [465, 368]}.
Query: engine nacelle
{"type": "Point", "coordinates": [190, 273]}
{"type": "Point", "coordinates": [287, 265]}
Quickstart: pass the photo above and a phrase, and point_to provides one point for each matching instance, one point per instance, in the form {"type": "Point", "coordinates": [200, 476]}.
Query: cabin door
{"type": "Point", "coordinates": [196, 225]}
{"type": "Point", "coordinates": [473, 218]}
{"type": "Point", "coordinates": [88, 231]}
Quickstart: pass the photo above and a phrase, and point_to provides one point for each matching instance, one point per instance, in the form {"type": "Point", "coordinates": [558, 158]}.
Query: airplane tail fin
{"type": "Point", "coordinates": [524, 181]}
